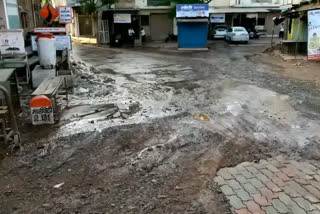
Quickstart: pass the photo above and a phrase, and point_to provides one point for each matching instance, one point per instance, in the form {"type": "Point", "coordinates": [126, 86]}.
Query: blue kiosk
{"type": "Point", "coordinates": [192, 21]}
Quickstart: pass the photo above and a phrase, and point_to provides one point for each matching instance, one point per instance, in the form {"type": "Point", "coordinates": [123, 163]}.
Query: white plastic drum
{"type": "Point", "coordinates": [47, 50]}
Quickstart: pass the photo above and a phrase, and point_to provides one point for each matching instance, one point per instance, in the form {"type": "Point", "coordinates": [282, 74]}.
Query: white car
{"type": "Point", "coordinates": [220, 32]}
{"type": "Point", "coordinates": [237, 34]}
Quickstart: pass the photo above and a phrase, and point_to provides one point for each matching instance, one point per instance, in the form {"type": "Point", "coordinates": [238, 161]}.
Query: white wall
{"type": "Point", "coordinates": [141, 3]}
{"type": "Point", "coordinates": [219, 3]}
{"type": "Point", "coordinates": [256, 3]}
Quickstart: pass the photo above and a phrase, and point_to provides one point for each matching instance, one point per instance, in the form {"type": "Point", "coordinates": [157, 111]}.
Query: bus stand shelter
{"type": "Point", "coordinates": [192, 21]}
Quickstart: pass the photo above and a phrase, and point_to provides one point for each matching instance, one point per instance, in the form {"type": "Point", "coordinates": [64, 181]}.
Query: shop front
{"type": "Point", "coordinates": [192, 23]}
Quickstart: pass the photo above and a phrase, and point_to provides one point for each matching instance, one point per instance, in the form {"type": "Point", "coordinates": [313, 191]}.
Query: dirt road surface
{"type": "Point", "coordinates": [146, 130]}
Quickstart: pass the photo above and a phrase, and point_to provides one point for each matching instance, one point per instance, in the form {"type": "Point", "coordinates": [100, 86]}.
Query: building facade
{"type": "Point", "coordinates": [247, 13]}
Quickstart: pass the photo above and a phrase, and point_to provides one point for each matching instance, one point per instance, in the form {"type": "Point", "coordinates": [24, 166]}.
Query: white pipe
{"type": "Point", "coordinates": [6, 13]}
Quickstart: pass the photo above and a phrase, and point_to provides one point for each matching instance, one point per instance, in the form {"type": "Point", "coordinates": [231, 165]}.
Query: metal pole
{"type": "Point", "coordinates": [272, 35]}
{"type": "Point", "coordinates": [11, 111]}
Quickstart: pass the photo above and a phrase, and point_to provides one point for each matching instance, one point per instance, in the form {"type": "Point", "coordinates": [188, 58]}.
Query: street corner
{"type": "Point", "coordinates": [275, 185]}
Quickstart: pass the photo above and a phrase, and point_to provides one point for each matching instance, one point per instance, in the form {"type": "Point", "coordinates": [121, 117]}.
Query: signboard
{"type": "Point", "coordinates": [65, 15]}
{"type": "Point", "coordinates": [12, 42]}
{"type": "Point", "coordinates": [49, 30]}
{"type": "Point", "coordinates": [122, 18]}
{"type": "Point", "coordinates": [192, 10]}
{"type": "Point", "coordinates": [62, 42]}
{"type": "Point", "coordinates": [41, 110]}
{"type": "Point", "coordinates": [314, 35]}
{"type": "Point", "coordinates": [48, 13]}
{"type": "Point", "coordinates": [218, 18]}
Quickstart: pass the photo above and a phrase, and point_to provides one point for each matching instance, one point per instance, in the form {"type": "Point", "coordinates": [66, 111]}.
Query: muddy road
{"type": "Point", "coordinates": [146, 130]}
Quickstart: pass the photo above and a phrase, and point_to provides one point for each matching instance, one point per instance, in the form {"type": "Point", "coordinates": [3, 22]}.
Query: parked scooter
{"type": "Point", "coordinates": [117, 40]}
{"type": "Point", "coordinates": [253, 34]}
{"type": "Point", "coordinates": [171, 37]}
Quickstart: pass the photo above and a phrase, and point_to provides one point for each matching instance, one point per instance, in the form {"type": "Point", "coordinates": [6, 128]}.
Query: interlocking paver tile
{"type": "Point", "coordinates": [317, 177]}
{"type": "Point", "coordinates": [302, 181]}
{"type": "Point", "coordinates": [255, 182]}
{"type": "Point", "coordinates": [272, 168]}
{"type": "Point", "coordinates": [241, 179]}
{"type": "Point", "coordinates": [233, 171]}
{"type": "Point", "coordinates": [261, 200]}
{"type": "Point", "coordinates": [252, 169]}
{"type": "Point", "coordinates": [243, 195]}
{"type": "Point", "coordinates": [304, 204]}
{"type": "Point", "coordinates": [278, 181]}
{"type": "Point", "coordinates": [235, 202]}
{"type": "Point", "coordinates": [254, 207]}
{"type": "Point", "coordinates": [312, 198]}
{"type": "Point", "coordinates": [295, 209]}
{"type": "Point", "coordinates": [278, 205]}
{"type": "Point", "coordinates": [262, 178]}
{"type": "Point", "coordinates": [282, 176]}
{"type": "Point", "coordinates": [242, 211]}
{"type": "Point", "coordinates": [219, 180]}
{"type": "Point", "coordinates": [285, 199]}
{"type": "Point", "coordinates": [315, 184]}
{"type": "Point", "coordinates": [297, 187]}
{"type": "Point", "coordinates": [247, 174]}
{"type": "Point", "coordinates": [271, 210]}
{"type": "Point", "coordinates": [267, 193]}
{"type": "Point", "coordinates": [317, 206]}
{"type": "Point", "coordinates": [250, 189]}
{"type": "Point", "coordinates": [227, 190]}
{"type": "Point", "coordinates": [267, 173]}
{"type": "Point", "coordinates": [313, 190]}
{"type": "Point", "coordinates": [225, 174]}
{"type": "Point", "coordinates": [273, 187]}
{"type": "Point", "coordinates": [234, 184]}
{"type": "Point", "coordinates": [290, 171]}
{"type": "Point", "coordinates": [291, 191]}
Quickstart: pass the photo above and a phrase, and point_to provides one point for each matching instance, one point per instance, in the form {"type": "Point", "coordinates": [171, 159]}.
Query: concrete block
{"type": "Point", "coordinates": [39, 75]}
{"type": "Point", "coordinates": [68, 75]}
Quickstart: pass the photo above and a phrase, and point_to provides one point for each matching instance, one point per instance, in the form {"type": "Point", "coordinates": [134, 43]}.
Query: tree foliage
{"type": "Point", "coordinates": [92, 6]}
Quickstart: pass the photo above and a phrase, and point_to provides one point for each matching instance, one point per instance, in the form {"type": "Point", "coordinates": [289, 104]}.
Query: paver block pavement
{"type": "Point", "coordinates": [242, 211]}
{"type": "Point", "coordinates": [271, 210]}
{"type": "Point", "coordinates": [272, 186]}
{"type": "Point", "coordinates": [227, 190]}
{"type": "Point", "coordinates": [253, 207]}
{"type": "Point", "coordinates": [235, 202]}
{"type": "Point", "coordinates": [243, 195]}
{"type": "Point", "coordinates": [261, 200]}
{"type": "Point", "coordinates": [278, 205]}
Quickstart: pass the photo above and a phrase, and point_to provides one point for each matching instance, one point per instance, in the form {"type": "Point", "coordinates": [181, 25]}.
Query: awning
{"type": "Point", "coordinates": [238, 10]}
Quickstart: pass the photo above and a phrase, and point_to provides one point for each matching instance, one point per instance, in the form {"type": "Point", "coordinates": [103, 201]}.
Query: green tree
{"type": "Point", "coordinates": [93, 6]}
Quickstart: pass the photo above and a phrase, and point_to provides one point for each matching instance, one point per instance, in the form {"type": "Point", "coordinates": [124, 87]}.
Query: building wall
{"type": "Point", "coordinates": [3, 22]}
{"type": "Point", "coordinates": [219, 3]}
{"type": "Point", "coordinates": [256, 3]}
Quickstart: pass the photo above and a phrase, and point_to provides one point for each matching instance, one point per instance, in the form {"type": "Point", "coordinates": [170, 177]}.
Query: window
{"type": "Point", "coordinates": [239, 29]}
{"type": "Point", "coordinates": [144, 20]}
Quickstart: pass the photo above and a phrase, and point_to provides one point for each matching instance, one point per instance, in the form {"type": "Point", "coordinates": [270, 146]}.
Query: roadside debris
{"type": "Point", "coordinates": [57, 186]}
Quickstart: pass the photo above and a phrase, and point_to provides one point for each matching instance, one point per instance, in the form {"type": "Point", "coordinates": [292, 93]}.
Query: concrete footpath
{"type": "Point", "coordinates": [272, 186]}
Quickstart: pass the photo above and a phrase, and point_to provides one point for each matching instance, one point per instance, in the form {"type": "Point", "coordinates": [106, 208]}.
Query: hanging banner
{"type": "Point", "coordinates": [314, 35]}
{"type": "Point", "coordinates": [218, 18]}
{"type": "Point", "coordinates": [122, 18]}
{"type": "Point", "coordinates": [65, 15]}
{"type": "Point", "coordinates": [192, 10]}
